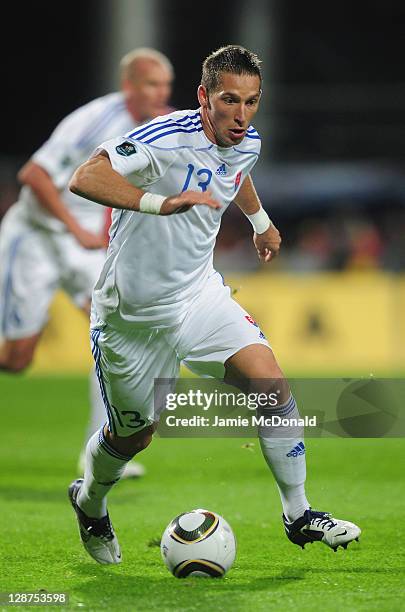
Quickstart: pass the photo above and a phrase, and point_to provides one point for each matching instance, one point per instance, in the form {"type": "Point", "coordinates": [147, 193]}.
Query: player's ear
{"type": "Point", "coordinates": [203, 96]}
{"type": "Point", "coordinates": [126, 85]}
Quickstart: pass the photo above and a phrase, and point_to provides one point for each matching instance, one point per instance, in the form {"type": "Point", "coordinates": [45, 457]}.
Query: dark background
{"type": "Point", "coordinates": [332, 117]}
{"type": "Point", "coordinates": [50, 65]}
{"type": "Point", "coordinates": [338, 70]}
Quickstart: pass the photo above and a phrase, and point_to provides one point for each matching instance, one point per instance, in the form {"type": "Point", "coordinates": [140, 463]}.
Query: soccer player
{"type": "Point", "coordinates": [159, 301]}
{"type": "Point", "coordinates": [54, 239]}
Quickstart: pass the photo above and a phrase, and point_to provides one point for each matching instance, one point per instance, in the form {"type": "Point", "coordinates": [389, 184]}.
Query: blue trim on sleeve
{"type": "Point", "coordinates": [164, 127]}
{"type": "Point", "coordinates": [196, 129]}
{"type": "Point", "coordinates": [153, 124]}
{"type": "Point", "coordinates": [135, 134]}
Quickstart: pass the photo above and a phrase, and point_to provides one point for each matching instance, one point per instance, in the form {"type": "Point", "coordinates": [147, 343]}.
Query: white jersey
{"type": "Point", "coordinates": [71, 144]}
{"type": "Point", "coordinates": [156, 266]}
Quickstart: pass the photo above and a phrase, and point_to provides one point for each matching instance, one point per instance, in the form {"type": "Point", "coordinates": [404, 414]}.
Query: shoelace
{"type": "Point", "coordinates": [318, 521]}
{"type": "Point", "coordinates": [102, 529]}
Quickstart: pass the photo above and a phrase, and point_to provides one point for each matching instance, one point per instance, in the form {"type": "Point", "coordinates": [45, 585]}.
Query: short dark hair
{"type": "Point", "coordinates": [232, 58]}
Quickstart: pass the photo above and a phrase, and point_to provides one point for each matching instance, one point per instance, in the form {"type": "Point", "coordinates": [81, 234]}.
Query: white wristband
{"type": "Point", "coordinates": [260, 221]}
{"type": "Point", "coordinates": [151, 203]}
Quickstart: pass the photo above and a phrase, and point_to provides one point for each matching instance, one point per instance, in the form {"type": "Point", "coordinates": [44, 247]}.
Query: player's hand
{"type": "Point", "coordinates": [88, 240]}
{"type": "Point", "coordinates": [267, 244]}
{"type": "Point", "coordinates": [184, 201]}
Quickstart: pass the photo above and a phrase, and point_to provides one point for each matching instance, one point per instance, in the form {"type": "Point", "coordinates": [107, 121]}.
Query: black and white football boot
{"type": "Point", "coordinates": [97, 535]}
{"type": "Point", "coordinates": [314, 526]}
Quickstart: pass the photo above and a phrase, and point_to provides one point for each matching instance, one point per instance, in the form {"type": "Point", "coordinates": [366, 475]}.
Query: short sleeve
{"type": "Point", "coordinates": [131, 157]}
{"type": "Point", "coordinates": [126, 156]}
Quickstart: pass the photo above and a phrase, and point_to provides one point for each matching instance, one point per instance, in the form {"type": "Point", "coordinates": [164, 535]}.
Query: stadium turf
{"type": "Point", "coordinates": [360, 480]}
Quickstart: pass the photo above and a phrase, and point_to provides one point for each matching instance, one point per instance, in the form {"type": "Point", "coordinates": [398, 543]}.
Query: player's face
{"type": "Point", "coordinates": [147, 93]}
{"type": "Point", "coordinates": [229, 110]}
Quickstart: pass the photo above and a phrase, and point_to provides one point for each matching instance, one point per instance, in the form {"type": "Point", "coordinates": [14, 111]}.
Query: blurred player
{"type": "Point", "coordinates": [53, 239]}
{"type": "Point", "coordinates": [159, 301]}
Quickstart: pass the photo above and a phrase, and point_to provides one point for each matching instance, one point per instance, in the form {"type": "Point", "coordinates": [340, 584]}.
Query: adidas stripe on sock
{"type": "Point", "coordinates": [284, 452]}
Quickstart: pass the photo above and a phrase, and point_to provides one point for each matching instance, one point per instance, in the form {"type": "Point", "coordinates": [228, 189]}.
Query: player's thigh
{"type": "Point", "coordinates": [128, 360]}
{"type": "Point", "coordinates": [217, 328]}
{"type": "Point", "coordinates": [29, 277]}
{"type": "Point", "coordinates": [80, 269]}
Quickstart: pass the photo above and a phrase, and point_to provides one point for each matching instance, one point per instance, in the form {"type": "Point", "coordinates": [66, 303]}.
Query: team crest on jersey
{"type": "Point", "coordinates": [66, 161]}
{"type": "Point", "coordinates": [237, 180]}
{"type": "Point", "coordinates": [126, 149]}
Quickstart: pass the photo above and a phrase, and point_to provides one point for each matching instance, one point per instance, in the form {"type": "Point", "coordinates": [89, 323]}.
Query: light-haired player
{"type": "Point", "coordinates": [159, 301]}
{"type": "Point", "coordinates": [54, 239]}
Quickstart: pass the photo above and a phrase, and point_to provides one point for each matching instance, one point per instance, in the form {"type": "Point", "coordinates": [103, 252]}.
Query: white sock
{"type": "Point", "coordinates": [285, 457]}
{"type": "Point", "coordinates": [104, 467]}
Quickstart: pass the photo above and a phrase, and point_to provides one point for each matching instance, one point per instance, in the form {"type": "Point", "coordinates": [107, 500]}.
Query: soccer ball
{"type": "Point", "coordinates": [198, 543]}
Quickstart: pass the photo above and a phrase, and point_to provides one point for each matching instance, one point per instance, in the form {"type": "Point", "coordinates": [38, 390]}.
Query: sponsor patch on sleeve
{"type": "Point", "coordinates": [126, 149]}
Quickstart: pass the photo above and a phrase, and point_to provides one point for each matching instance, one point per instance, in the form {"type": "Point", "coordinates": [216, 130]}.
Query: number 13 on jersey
{"type": "Point", "coordinates": [203, 173]}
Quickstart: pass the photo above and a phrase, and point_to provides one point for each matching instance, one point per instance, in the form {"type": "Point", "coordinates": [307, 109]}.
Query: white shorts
{"type": "Point", "coordinates": [129, 358]}
{"type": "Point", "coordinates": [34, 263]}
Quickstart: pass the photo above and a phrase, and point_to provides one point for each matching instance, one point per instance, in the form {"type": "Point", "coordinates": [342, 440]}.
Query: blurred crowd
{"type": "Point", "coordinates": [345, 237]}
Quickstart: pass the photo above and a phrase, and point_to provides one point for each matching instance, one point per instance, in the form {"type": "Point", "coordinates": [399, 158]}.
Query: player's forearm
{"type": "Point", "coordinates": [96, 180]}
{"type": "Point", "coordinates": [46, 192]}
{"type": "Point", "coordinates": [247, 199]}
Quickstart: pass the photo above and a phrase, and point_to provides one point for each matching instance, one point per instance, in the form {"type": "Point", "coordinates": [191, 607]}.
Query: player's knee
{"type": "Point", "coordinates": [142, 442]}
{"type": "Point", "coordinates": [134, 444]}
{"type": "Point", "coordinates": [277, 387]}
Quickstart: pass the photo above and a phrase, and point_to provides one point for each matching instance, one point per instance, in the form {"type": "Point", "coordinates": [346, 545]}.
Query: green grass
{"type": "Point", "coordinates": [361, 480]}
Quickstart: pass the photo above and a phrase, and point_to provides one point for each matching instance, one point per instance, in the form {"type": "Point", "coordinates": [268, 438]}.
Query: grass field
{"type": "Point", "coordinates": [361, 480]}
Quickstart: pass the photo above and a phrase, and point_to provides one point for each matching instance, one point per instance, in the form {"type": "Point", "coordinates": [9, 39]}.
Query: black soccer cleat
{"type": "Point", "coordinates": [97, 535]}
{"type": "Point", "coordinates": [314, 526]}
